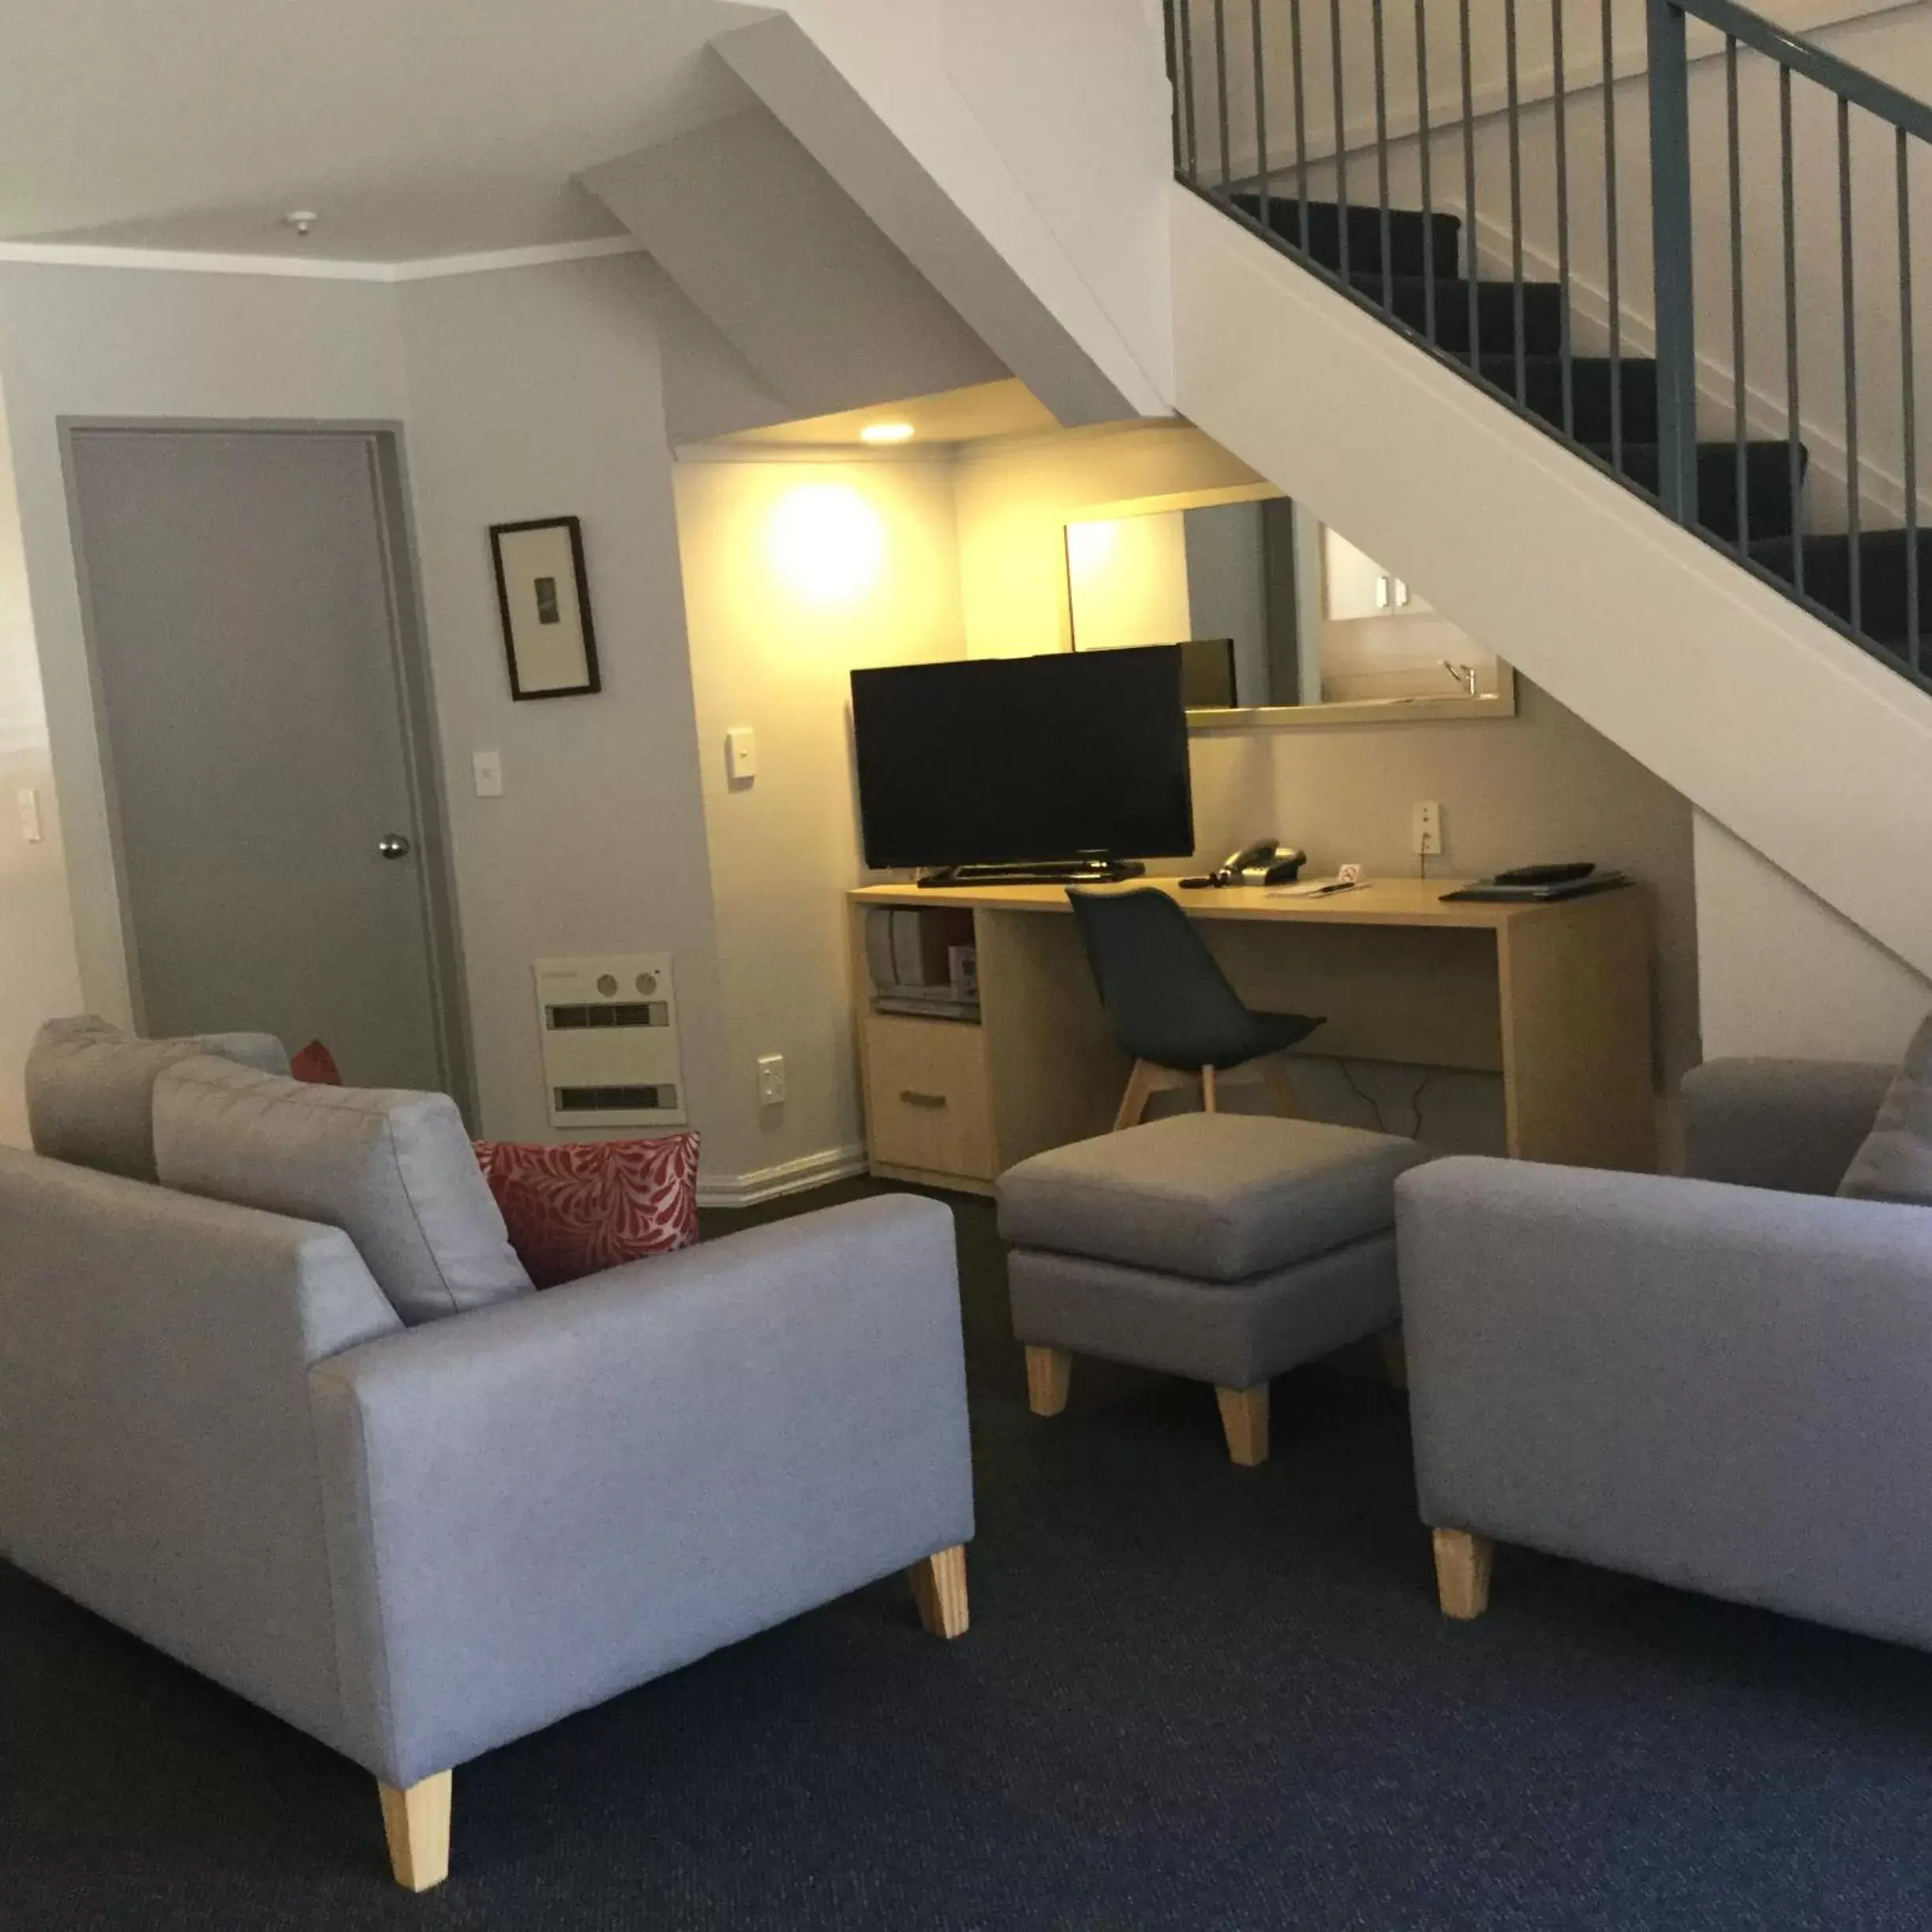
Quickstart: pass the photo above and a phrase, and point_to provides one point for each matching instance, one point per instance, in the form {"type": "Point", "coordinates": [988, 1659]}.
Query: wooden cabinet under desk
{"type": "Point", "coordinates": [1555, 998]}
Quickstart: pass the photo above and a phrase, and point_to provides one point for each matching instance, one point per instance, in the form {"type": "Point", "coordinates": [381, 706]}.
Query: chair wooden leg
{"type": "Point", "coordinates": [939, 1589]}
{"type": "Point", "coordinates": [1244, 1422]}
{"type": "Point", "coordinates": [1049, 1370]}
{"type": "Point", "coordinates": [1462, 1563]}
{"type": "Point", "coordinates": [416, 1821]}
{"type": "Point", "coordinates": [1210, 1102]}
{"type": "Point", "coordinates": [1282, 1088]}
{"type": "Point", "coordinates": [1140, 1085]}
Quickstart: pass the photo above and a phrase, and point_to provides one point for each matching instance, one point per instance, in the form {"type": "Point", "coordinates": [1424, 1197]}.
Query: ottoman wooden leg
{"type": "Point", "coordinates": [1244, 1421]}
{"type": "Point", "coordinates": [1462, 1564]}
{"type": "Point", "coordinates": [1048, 1371]}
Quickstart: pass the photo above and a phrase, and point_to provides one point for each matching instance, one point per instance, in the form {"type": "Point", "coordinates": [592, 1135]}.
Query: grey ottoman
{"type": "Point", "coordinates": [1224, 1247]}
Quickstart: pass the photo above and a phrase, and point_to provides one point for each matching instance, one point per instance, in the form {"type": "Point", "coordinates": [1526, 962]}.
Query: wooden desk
{"type": "Point", "coordinates": [1556, 998]}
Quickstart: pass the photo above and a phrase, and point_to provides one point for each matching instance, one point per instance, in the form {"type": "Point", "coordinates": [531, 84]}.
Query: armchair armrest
{"type": "Point", "coordinates": [537, 1505]}
{"type": "Point", "coordinates": [1718, 1387]}
{"type": "Point", "coordinates": [1792, 1125]}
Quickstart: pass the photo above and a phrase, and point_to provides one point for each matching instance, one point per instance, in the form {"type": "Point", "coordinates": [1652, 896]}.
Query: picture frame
{"type": "Point", "coordinates": [543, 595]}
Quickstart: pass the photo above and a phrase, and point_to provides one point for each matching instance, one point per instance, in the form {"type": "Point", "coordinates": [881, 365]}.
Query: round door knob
{"type": "Point", "coordinates": [393, 847]}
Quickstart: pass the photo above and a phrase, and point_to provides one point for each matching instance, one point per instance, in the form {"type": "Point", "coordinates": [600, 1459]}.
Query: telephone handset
{"type": "Point", "coordinates": [1267, 862]}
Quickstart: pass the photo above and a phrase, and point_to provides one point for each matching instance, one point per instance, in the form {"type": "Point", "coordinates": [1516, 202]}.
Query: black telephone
{"type": "Point", "coordinates": [1267, 862]}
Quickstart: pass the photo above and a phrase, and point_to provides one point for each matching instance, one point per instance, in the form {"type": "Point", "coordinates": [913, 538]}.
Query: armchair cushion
{"type": "Point", "coordinates": [89, 1089]}
{"type": "Point", "coordinates": [394, 1170]}
{"type": "Point", "coordinates": [1791, 1125]}
{"type": "Point", "coordinates": [1895, 1164]}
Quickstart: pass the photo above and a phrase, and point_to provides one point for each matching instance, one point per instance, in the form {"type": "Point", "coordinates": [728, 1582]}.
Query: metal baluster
{"type": "Point", "coordinates": [1737, 294]}
{"type": "Point", "coordinates": [1908, 403]}
{"type": "Point", "coordinates": [1513, 91]}
{"type": "Point", "coordinates": [1301, 116]}
{"type": "Point", "coordinates": [1174, 82]}
{"type": "Point", "coordinates": [1610, 241]}
{"type": "Point", "coordinates": [1671, 241]}
{"type": "Point", "coordinates": [1186, 11]}
{"type": "Point", "coordinates": [1260, 87]}
{"type": "Point", "coordinates": [1853, 559]}
{"type": "Point", "coordinates": [1564, 347]}
{"type": "Point", "coordinates": [1340, 139]}
{"type": "Point", "coordinates": [1221, 91]}
{"type": "Point", "coordinates": [1382, 164]}
{"type": "Point", "coordinates": [1793, 429]}
{"type": "Point", "coordinates": [1422, 155]}
{"type": "Point", "coordinates": [1469, 191]}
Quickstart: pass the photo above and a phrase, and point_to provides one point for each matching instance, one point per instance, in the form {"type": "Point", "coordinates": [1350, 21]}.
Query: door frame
{"type": "Point", "coordinates": [423, 773]}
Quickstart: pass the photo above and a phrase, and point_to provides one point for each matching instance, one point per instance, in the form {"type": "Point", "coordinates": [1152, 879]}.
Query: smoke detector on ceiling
{"type": "Point", "coordinates": [302, 220]}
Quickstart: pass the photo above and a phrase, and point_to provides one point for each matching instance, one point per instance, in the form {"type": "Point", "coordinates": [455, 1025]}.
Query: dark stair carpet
{"type": "Point", "coordinates": [1194, 1697]}
{"type": "Point", "coordinates": [1515, 346]}
{"type": "Point", "coordinates": [1883, 579]}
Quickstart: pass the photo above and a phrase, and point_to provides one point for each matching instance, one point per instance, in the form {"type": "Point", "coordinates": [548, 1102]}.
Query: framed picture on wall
{"type": "Point", "coordinates": [545, 597]}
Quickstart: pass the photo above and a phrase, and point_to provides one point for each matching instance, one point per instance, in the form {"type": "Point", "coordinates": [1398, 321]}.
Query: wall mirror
{"type": "Point", "coordinates": [1281, 621]}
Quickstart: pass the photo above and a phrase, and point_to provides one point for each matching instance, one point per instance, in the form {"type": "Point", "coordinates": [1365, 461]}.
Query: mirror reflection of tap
{"type": "Point", "coordinates": [1465, 675]}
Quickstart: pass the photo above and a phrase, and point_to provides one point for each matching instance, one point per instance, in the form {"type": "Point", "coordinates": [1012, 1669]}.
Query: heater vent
{"type": "Point", "coordinates": [610, 1037]}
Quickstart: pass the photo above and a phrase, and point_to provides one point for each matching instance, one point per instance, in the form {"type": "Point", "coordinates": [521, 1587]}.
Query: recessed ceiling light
{"type": "Point", "coordinates": [886, 432]}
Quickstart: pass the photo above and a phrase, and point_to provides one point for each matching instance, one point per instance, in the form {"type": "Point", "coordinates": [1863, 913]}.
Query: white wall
{"type": "Point", "coordinates": [795, 573]}
{"type": "Point", "coordinates": [1541, 785]}
{"type": "Point", "coordinates": [527, 393]}
{"type": "Point", "coordinates": [537, 392]}
{"type": "Point", "coordinates": [39, 977]}
{"type": "Point", "coordinates": [1783, 975]}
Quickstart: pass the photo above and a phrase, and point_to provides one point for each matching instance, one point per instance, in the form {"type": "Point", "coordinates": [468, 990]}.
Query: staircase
{"type": "Point", "coordinates": [1637, 417]}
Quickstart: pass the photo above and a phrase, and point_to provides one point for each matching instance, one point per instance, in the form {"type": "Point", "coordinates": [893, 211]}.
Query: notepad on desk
{"type": "Point", "coordinates": [1315, 888]}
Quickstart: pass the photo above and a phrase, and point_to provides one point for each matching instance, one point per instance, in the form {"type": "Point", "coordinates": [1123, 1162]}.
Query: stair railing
{"type": "Point", "coordinates": [1754, 189]}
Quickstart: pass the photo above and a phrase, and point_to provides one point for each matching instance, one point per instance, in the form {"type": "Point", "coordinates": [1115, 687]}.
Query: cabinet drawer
{"type": "Point", "coordinates": [926, 1100]}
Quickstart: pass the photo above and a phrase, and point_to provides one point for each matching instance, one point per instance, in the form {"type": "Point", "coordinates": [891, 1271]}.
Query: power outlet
{"type": "Point", "coordinates": [1427, 825]}
{"type": "Point", "coordinates": [771, 1079]}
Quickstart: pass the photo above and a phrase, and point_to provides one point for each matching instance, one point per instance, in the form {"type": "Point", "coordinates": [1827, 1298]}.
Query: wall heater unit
{"type": "Point", "coordinates": [610, 1041]}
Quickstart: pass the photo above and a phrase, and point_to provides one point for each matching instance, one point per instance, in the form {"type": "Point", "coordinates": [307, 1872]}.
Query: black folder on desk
{"type": "Point", "coordinates": [1537, 895]}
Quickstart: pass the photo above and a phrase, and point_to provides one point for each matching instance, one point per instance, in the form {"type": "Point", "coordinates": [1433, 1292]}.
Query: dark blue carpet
{"type": "Point", "coordinates": [1194, 1697]}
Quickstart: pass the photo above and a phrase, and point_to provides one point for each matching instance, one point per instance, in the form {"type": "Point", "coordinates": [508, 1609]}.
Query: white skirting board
{"type": "Point", "coordinates": [792, 1177]}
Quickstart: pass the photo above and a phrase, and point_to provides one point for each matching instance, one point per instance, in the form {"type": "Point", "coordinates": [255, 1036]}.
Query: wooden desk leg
{"type": "Point", "coordinates": [1049, 1370]}
{"type": "Point", "coordinates": [1244, 1422]}
{"type": "Point", "coordinates": [1462, 1563]}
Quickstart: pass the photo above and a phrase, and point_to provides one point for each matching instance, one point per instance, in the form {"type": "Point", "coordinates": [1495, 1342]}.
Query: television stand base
{"type": "Point", "coordinates": [1049, 872]}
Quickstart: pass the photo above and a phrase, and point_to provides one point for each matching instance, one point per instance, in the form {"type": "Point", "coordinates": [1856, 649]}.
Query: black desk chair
{"type": "Point", "coordinates": [1172, 1009]}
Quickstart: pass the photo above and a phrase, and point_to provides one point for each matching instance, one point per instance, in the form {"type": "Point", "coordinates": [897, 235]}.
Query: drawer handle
{"type": "Point", "coordinates": [913, 1098]}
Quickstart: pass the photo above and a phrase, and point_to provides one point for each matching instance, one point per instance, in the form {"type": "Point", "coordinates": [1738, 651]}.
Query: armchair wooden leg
{"type": "Point", "coordinates": [939, 1590]}
{"type": "Point", "coordinates": [1049, 1370]}
{"type": "Point", "coordinates": [1462, 1561]}
{"type": "Point", "coordinates": [1394, 1356]}
{"type": "Point", "coordinates": [1244, 1421]}
{"type": "Point", "coordinates": [1141, 1084]}
{"type": "Point", "coordinates": [416, 1821]}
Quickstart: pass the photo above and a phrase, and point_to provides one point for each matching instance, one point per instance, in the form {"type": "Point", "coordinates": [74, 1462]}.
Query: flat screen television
{"type": "Point", "coordinates": [1074, 765]}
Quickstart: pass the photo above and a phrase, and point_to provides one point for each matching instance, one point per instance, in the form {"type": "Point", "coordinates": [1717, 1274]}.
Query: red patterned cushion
{"type": "Point", "coordinates": [316, 1064]}
{"type": "Point", "coordinates": [571, 1210]}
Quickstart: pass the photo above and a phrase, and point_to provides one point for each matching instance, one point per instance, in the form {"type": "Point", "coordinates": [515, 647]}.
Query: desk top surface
{"type": "Point", "coordinates": [1378, 902]}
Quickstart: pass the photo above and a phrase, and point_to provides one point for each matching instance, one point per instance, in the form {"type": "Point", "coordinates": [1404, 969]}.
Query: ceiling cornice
{"type": "Point", "coordinates": [307, 267]}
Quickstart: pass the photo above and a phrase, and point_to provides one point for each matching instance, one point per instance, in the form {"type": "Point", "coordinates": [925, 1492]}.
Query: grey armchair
{"type": "Point", "coordinates": [418, 1543]}
{"type": "Point", "coordinates": [1722, 1382]}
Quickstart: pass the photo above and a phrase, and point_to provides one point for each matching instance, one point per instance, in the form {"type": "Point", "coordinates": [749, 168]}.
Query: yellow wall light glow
{"type": "Point", "coordinates": [886, 432]}
{"type": "Point", "coordinates": [825, 542]}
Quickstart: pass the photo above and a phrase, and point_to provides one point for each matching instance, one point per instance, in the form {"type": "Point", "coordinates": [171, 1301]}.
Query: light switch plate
{"type": "Point", "coordinates": [741, 754]}
{"type": "Point", "coordinates": [488, 765]}
{"type": "Point", "coordinates": [30, 825]}
{"type": "Point", "coordinates": [771, 1080]}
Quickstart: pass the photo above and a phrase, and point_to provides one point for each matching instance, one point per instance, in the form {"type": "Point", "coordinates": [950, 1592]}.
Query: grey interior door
{"type": "Point", "coordinates": [245, 626]}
